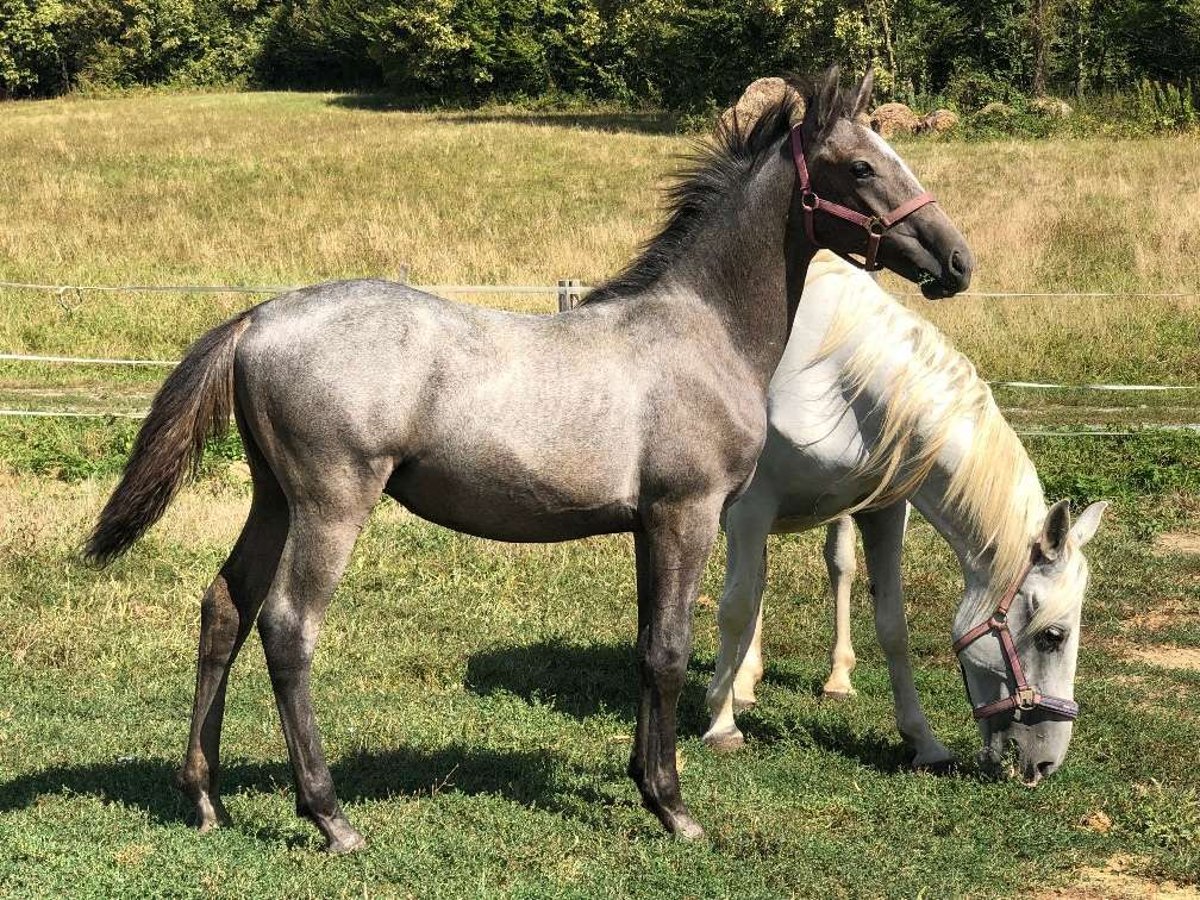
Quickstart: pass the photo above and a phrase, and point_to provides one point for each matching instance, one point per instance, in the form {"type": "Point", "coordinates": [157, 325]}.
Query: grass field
{"type": "Point", "coordinates": [477, 698]}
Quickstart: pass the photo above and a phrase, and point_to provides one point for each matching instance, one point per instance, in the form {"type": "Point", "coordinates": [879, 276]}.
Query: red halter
{"type": "Point", "coordinates": [1025, 697]}
{"type": "Point", "coordinates": [875, 226]}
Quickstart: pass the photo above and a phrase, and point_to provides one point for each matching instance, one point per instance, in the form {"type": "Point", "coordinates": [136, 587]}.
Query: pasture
{"type": "Point", "coordinates": [477, 698]}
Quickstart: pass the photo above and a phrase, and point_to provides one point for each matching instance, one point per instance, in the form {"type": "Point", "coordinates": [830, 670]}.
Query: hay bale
{"type": "Point", "coordinates": [891, 119]}
{"type": "Point", "coordinates": [758, 97]}
{"type": "Point", "coordinates": [940, 121]}
{"type": "Point", "coordinates": [1051, 107]}
{"type": "Point", "coordinates": [995, 112]}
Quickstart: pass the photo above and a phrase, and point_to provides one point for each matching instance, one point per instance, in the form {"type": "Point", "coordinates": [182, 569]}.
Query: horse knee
{"type": "Point", "coordinates": [666, 666]}
{"type": "Point", "coordinates": [736, 610]}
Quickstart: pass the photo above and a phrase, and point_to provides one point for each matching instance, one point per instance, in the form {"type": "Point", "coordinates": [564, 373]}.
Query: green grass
{"type": "Point", "coordinates": [477, 704]}
{"type": "Point", "coordinates": [477, 698]}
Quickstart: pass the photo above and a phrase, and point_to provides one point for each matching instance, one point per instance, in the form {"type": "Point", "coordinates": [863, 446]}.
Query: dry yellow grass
{"type": "Point", "coordinates": [296, 188]}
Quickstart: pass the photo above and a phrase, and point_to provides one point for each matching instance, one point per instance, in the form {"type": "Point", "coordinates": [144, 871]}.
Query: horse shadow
{"type": "Point", "coordinates": [530, 778]}
{"type": "Point", "coordinates": [634, 122]}
{"type": "Point", "coordinates": [580, 680]}
{"type": "Point", "coordinates": [586, 680]}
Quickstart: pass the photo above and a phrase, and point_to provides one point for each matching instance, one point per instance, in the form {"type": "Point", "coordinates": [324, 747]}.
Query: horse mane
{"type": "Point", "coordinates": [712, 171]}
{"type": "Point", "coordinates": [935, 395]}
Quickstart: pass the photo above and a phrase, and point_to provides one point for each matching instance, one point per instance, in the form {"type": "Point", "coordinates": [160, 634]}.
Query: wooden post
{"type": "Point", "coordinates": [568, 293]}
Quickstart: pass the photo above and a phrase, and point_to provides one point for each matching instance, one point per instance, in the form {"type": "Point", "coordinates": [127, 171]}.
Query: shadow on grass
{"type": "Point", "coordinates": [610, 121]}
{"type": "Point", "coordinates": [580, 680]}
{"type": "Point", "coordinates": [529, 777]}
{"type": "Point", "coordinates": [598, 679]}
{"type": "Point", "coordinates": [872, 749]}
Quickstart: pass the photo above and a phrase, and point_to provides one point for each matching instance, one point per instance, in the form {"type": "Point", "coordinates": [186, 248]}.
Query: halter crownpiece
{"type": "Point", "coordinates": [1025, 697]}
{"type": "Point", "coordinates": [875, 226]}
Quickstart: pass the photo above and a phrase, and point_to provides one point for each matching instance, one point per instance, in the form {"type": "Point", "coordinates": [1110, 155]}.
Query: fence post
{"type": "Point", "coordinates": [569, 293]}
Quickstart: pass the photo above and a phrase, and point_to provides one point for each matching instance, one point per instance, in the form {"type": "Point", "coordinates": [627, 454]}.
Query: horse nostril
{"type": "Point", "coordinates": [1045, 768]}
{"type": "Point", "coordinates": [956, 264]}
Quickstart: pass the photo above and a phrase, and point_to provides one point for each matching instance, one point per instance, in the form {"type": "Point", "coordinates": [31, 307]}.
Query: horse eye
{"type": "Point", "coordinates": [860, 168]}
{"type": "Point", "coordinates": [1051, 639]}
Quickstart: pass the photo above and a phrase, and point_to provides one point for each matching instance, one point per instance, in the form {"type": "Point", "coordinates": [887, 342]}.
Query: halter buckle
{"type": "Point", "coordinates": [876, 227]}
{"type": "Point", "coordinates": [1026, 698]}
{"type": "Point", "coordinates": [810, 201]}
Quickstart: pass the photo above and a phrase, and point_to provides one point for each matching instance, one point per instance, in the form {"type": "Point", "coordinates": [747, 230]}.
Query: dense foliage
{"type": "Point", "coordinates": [677, 53]}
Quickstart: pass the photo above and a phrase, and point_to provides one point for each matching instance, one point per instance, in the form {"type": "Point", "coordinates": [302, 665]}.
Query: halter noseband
{"type": "Point", "coordinates": [875, 226]}
{"type": "Point", "coordinates": [1025, 697]}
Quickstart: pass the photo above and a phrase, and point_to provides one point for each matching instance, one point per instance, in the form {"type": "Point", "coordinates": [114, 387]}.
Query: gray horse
{"type": "Point", "coordinates": [642, 411]}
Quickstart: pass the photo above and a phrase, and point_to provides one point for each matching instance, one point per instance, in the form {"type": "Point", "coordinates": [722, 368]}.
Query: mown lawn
{"type": "Point", "coordinates": [477, 701]}
{"type": "Point", "coordinates": [477, 698]}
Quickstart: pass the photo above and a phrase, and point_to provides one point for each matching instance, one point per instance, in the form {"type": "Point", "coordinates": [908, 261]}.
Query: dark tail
{"type": "Point", "coordinates": [193, 404]}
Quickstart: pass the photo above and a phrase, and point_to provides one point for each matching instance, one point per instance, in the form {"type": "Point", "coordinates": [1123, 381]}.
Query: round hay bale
{"type": "Point", "coordinates": [891, 119]}
{"type": "Point", "coordinates": [940, 121]}
{"type": "Point", "coordinates": [1051, 107]}
{"type": "Point", "coordinates": [995, 111]}
{"type": "Point", "coordinates": [758, 97]}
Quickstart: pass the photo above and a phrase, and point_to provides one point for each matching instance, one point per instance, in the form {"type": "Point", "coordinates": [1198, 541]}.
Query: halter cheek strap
{"type": "Point", "coordinates": [875, 226]}
{"type": "Point", "coordinates": [1025, 696]}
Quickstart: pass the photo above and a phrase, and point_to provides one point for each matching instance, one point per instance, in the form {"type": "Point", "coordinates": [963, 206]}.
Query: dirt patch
{"type": "Point", "coordinates": [1172, 612]}
{"type": "Point", "coordinates": [1183, 543]}
{"type": "Point", "coordinates": [1116, 880]}
{"type": "Point", "coordinates": [1167, 657]}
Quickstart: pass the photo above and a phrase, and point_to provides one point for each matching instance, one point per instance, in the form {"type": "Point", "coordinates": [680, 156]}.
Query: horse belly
{"type": "Point", "coordinates": [493, 499]}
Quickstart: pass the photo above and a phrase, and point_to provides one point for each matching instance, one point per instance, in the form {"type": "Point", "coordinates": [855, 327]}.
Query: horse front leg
{"type": "Point", "coordinates": [739, 619]}
{"type": "Point", "coordinates": [671, 552]}
{"type": "Point", "coordinates": [840, 562]}
{"type": "Point", "coordinates": [883, 541]}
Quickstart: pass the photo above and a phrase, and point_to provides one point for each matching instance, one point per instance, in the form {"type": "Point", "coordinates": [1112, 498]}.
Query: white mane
{"type": "Point", "coordinates": [933, 397]}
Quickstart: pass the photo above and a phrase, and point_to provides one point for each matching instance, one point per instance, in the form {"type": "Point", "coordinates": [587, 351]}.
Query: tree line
{"type": "Point", "coordinates": [676, 54]}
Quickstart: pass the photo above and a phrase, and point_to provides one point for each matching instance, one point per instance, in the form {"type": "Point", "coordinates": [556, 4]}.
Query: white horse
{"type": "Point", "coordinates": [872, 407]}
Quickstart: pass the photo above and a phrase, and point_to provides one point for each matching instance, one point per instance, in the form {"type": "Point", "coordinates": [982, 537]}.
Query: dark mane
{"type": "Point", "coordinates": [712, 171]}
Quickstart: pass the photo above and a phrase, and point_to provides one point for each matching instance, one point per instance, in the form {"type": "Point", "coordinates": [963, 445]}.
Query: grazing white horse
{"type": "Point", "coordinates": [872, 407]}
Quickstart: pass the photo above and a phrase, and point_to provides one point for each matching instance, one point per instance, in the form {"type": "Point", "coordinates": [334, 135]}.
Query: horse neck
{"type": "Point", "coordinates": [749, 266]}
{"type": "Point", "coordinates": [935, 433]}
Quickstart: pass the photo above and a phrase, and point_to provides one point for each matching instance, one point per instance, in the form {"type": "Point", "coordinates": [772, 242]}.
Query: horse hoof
{"type": "Point", "coordinates": [836, 696]}
{"type": "Point", "coordinates": [725, 741]}
{"type": "Point", "coordinates": [685, 828]}
{"type": "Point", "coordinates": [346, 843]}
{"type": "Point", "coordinates": [210, 814]}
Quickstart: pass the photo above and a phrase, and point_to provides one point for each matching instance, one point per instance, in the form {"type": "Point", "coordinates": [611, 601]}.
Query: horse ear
{"type": "Point", "coordinates": [1088, 522]}
{"type": "Point", "coordinates": [1055, 530]}
{"type": "Point", "coordinates": [862, 95]}
{"type": "Point", "coordinates": [827, 98]}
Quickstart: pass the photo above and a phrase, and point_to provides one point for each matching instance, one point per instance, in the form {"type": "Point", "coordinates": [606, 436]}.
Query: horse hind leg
{"type": "Point", "coordinates": [839, 560]}
{"type": "Point", "coordinates": [321, 536]}
{"type": "Point", "coordinates": [227, 613]}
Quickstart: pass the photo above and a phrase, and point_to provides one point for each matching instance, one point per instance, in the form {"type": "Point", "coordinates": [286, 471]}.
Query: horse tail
{"type": "Point", "coordinates": [193, 404]}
